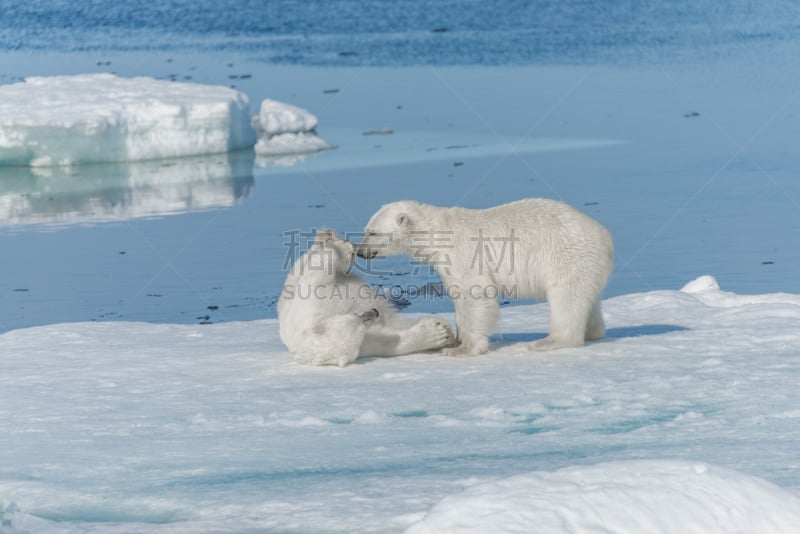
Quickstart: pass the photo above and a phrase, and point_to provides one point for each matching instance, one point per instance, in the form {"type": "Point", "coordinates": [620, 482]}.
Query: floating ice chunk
{"type": "Point", "coordinates": [623, 497]}
{"type": "Point", "coordinates": [63, 120]}
{"type": "Point", "coordinates": [278, 118]}
{"type": "Point", "coordinates": [286, 129]}
{"type": "Point", "coordinates": [701, 284]}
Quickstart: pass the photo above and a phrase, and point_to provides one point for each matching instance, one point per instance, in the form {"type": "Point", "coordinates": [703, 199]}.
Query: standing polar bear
{"type": "Point", "coordinates": [531, 248]}
{"type": "Point", "coordinates": [328, 316]}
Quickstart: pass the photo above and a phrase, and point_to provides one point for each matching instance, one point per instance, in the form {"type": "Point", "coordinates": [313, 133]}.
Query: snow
{"type": "Point", "coordinates": [621, 497]}
{"type": "Point", "coordinates": [286, 129]}
{"type": "Point", "coordinates": [89, 118]}
{"type": "Point", "coordinates": [677, 418]}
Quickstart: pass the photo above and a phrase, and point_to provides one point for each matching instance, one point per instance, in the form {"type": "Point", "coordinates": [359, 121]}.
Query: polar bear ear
{"type": "Point", "coordinates": [324, 235]}
{"type": "Point", "coordinates": [402, 219]}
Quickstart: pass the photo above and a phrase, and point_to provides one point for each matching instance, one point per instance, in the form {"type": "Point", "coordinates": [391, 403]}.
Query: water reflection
{"type": "Point", "coordinates": [61, 196]}
{"type": "Point", "coordinates": [284, 161]}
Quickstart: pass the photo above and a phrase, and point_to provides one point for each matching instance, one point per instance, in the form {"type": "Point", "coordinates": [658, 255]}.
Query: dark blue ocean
{"type": "Point", "coordinates": [402, 32]}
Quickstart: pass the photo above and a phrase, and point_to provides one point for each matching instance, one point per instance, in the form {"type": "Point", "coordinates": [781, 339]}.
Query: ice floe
{"type": "Point", "coordinates": [127, 427]}
{"type": "Point", "coordinates": [89, 118]}
{"type": "Point", "coordinates": [63, 120]}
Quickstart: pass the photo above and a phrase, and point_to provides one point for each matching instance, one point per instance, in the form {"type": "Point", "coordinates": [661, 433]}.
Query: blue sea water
{"type": "Point", "coordinates": [692, 103]}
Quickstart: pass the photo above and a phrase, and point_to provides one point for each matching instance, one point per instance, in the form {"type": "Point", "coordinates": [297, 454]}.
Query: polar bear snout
{"type": "Point", "coordinates": [378, 244]}
{"type": "Point", "coordinates": [371, 246]}
{"type": "Point", "coordinates": [366, 253]}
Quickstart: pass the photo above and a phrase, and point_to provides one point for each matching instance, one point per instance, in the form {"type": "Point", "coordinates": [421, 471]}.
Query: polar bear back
{"type": "Point", "coordinates": [526, 247]}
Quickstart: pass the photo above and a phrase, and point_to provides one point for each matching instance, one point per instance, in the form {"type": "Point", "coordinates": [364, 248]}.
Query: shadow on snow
{"type": "Point", "coordinates": [621, 332]}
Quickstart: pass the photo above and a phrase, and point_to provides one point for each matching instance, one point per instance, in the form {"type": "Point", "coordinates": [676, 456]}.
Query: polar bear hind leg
{"type": "Point", "coordinates": [397, 337]}
{"type": "Point", "coordinates": [596, 327]}
{"type": "Point", "coordinates": [335, 340]}
{"type": "Point", "coordinates": [569, 320]}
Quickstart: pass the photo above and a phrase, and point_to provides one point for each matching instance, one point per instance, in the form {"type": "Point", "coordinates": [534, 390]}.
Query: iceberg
{"type": "Point", "coordinates": [101, 118]}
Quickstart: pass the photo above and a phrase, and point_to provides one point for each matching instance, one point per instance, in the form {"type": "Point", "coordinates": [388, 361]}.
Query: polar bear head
{"type": "Point", "coordinates": [389, 231]}
{"type": "Point", "coordinates": [329, 255]}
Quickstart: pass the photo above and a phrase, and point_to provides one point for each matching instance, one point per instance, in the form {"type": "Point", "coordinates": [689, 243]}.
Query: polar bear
{"type": "Point", "coordinates": [531, 248]}
{"type": "Point", "coordinates": [328, 316]}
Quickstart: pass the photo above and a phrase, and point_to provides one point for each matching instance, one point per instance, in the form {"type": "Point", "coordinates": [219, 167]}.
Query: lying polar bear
{"type": "Point", "coordinates": [531, 248]}
{"type": "Point", "coordinates": [328, 316]}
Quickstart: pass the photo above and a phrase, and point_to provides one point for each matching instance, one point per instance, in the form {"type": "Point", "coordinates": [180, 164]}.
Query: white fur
{"type": "Point", "coordinates": [325, 318]}
{"type": "Point", "coordinates": [553, 251]}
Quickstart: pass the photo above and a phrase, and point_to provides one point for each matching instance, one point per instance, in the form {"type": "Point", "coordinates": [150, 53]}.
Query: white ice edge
{"type": "Point", "coordinates": [89, 118]}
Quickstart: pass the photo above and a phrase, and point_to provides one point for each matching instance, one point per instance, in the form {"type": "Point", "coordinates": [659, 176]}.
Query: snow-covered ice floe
{"type": "Point", "coordinates": [65, 120]}
{"type": "Point", "coordinates": [656, 497]}
{"type": "Point", "coordinates": [683, 419]}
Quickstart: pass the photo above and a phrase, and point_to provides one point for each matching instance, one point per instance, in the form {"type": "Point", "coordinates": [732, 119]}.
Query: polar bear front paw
{"type": "Point", "coordinates": [549, 343]}
{"type": "Point", "coordinates": [369, 316]}
{"type": "Point", "coordinates": [468, 348]}
{"type": "Point", "coordinates": [434, 333]}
